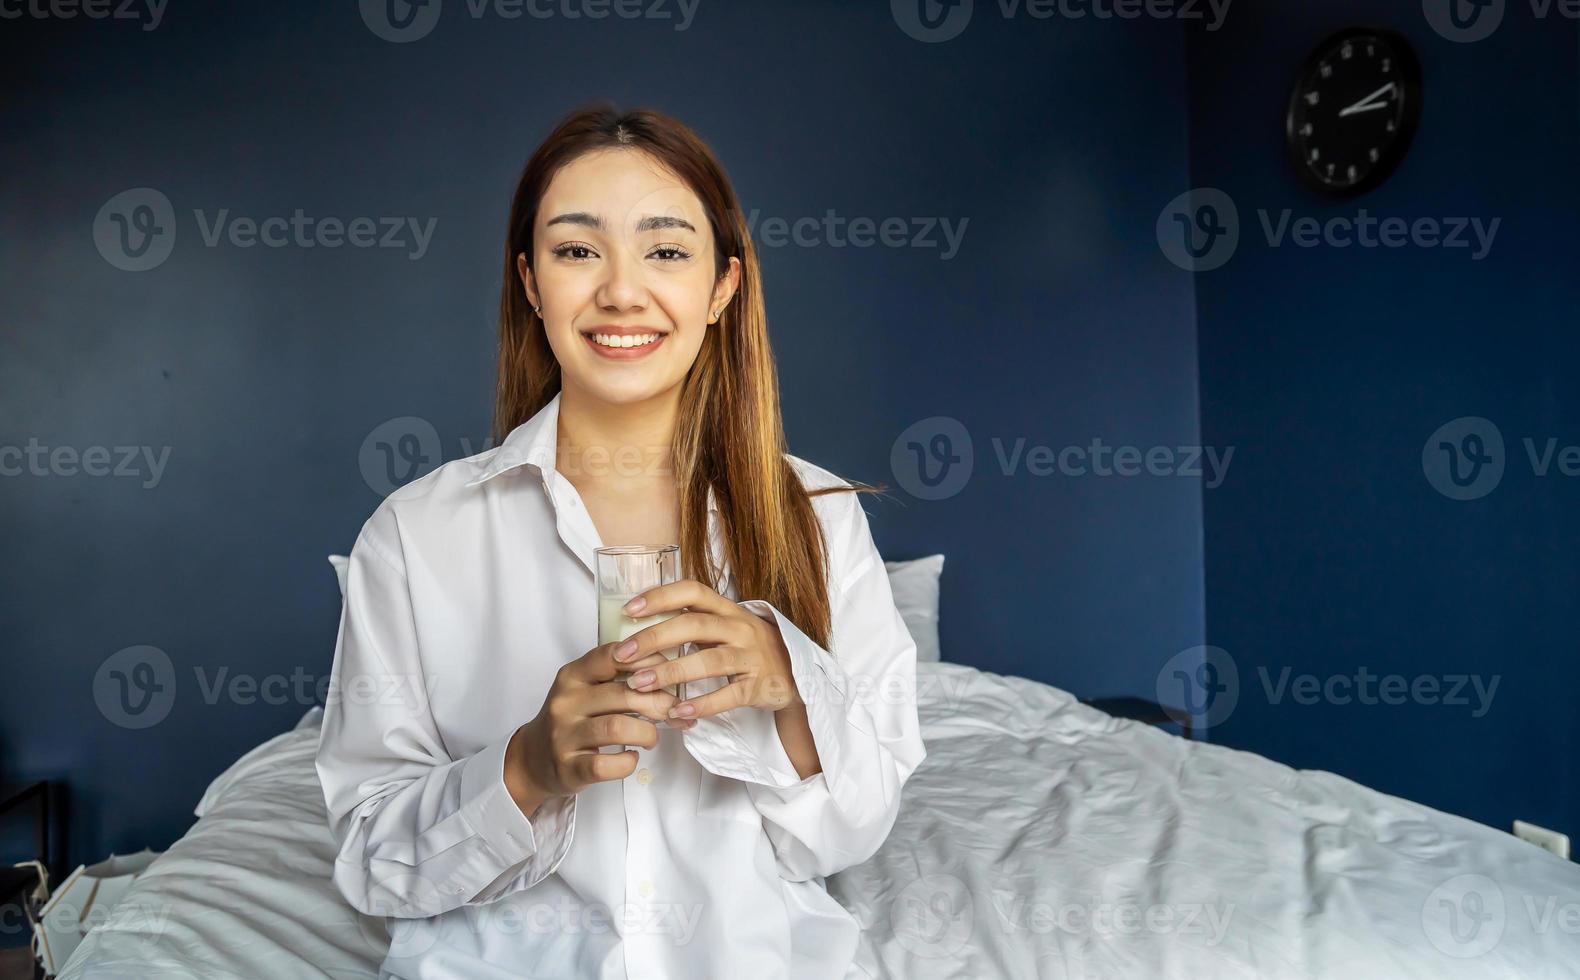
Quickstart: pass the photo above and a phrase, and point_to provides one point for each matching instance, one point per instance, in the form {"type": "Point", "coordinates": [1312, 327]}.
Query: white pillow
{"type": "Point", "coordinates": [340, 562]}
{"type": "Point", "coordinates": [915, 587]}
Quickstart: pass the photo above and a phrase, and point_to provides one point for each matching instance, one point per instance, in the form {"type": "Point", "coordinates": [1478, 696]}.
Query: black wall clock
{"type": "Point", "coordinates": [1354, 110]}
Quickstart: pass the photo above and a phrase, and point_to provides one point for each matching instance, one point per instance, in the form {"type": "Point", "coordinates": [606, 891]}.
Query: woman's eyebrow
{"type": "Point", "coordinates": [651, 222]}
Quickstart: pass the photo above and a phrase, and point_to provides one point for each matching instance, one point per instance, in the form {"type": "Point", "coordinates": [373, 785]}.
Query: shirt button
{"type": "Point", "coordinates": [644, 776]}
{"type": "Point", "coordinates": [646, 889]}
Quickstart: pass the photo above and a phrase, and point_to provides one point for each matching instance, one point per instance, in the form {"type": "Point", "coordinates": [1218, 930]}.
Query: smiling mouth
{"type": "Point", "coordinates": [624, 346]}
{"type": "Point", "coordinates": [615, 341]}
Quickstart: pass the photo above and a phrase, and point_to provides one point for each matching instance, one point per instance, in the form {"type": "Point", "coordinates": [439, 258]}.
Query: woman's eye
{"type": "Point", "coordinates": [572, 251]}
{"type": "Point", "coordinates": [671, 253]}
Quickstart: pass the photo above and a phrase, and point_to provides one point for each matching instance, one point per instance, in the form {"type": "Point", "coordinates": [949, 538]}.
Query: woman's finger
{"type": "Point", "coordinates": [601, 730]}
{"type": "Point", "coordinates": [688, 593]}
{"type": "Point", "coordinates": [703, 629]}
{"type": "Point", "coordinates": [597, 767]}
{"type": "Point", "coordinates": [617, 697]}
{"type": "Point", "coordinates": [719, 661]}
{"type": "Point", "coordinates": [727, 697]}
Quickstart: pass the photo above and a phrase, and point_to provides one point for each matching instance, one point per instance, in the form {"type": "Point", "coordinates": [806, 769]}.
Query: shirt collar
{"type": "Point", "coordinates": [533, 444]}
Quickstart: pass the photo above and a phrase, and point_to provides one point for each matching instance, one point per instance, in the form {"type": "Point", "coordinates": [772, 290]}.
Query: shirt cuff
{"type": "Point", "coordinates": [493, 815]}
{"type": "Point", "coordinates": [743, 743]}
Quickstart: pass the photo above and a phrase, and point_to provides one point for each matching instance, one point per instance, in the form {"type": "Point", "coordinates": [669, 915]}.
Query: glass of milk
{"type": "Point", "coordinates": [624, 573]}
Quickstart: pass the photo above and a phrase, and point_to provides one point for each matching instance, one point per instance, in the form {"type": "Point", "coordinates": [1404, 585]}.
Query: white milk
{"type": "Point", "coordinates": [615, 625]}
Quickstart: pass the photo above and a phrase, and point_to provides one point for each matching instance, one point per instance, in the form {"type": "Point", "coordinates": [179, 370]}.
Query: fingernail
{"type": "Point", "coordinates": [642, 678]}
{"type": "Point", "coordinates": [636, 605]}
{"type": "Point", "coordinates": [683, 710]}
{"type": "Point", "coordinates": [624, 650]}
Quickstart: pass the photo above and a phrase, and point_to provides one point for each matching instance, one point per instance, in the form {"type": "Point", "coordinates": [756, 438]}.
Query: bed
{"type": "Point", "coordinates": [1039, 838]}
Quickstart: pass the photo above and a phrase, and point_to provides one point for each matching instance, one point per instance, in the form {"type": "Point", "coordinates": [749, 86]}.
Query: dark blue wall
{"type": "Point", "coordinates": [265, 370]}
{"type": "Point", "coordinates": [1329, 549]}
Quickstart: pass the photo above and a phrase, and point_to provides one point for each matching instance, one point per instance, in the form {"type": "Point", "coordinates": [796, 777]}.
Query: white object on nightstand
{"type": "Point", "coordinates": [1547, 840]}
{"type": "Point", "coordinates": [83, 901]}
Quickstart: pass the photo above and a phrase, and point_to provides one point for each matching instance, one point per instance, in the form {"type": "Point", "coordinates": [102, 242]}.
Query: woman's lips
{"type": "Point", "coordinates": [624, 353]}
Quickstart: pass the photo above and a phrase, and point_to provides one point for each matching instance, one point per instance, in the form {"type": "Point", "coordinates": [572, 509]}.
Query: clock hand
{"type": "Point", "coordinates": [1366, 104]}
{"type": "Point", "coordinates": [1352, 110]}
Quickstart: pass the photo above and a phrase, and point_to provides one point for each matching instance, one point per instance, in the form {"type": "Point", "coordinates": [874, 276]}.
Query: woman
{"type": "Point", "coordinates": [481, 804]}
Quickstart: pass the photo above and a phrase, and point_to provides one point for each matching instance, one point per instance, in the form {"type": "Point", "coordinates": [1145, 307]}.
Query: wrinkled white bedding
{"type": "Point", "coordinates": [1040, 838]}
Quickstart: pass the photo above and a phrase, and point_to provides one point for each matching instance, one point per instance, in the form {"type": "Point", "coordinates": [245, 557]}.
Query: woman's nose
{"type": "Point", "coordinates": [623, 286]}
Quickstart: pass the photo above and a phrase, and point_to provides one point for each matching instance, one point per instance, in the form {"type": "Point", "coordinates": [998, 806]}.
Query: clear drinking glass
{"type": "Point", "coordinates": [623, 573]}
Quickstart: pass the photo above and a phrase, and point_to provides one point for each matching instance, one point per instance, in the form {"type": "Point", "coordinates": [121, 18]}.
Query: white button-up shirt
{"type": "Point", "coordinates": [466, 591]}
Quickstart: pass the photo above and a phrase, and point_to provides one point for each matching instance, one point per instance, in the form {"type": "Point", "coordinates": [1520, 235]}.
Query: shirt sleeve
{"type": "Point", "coordinates": [861, 708]}
{"type": "Point", "coordinates": [419, 832]}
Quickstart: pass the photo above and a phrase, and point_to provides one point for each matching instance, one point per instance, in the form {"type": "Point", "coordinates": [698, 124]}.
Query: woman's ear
{"type": "Point", "coordinates": [527, 281]}
{"type": "Point", "coordinates": [724, 289]}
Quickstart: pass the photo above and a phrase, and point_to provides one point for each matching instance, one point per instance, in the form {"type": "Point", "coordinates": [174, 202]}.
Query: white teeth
{"type": "Point", "coordinates": [615, 340]}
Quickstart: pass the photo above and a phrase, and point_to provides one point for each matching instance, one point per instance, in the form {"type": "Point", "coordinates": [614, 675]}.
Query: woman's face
{"type": "Point", "coordinates": [623, 248]}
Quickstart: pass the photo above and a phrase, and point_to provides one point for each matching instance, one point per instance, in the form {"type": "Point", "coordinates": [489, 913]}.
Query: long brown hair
{"type": "Point", "coordinates": [730, 435]}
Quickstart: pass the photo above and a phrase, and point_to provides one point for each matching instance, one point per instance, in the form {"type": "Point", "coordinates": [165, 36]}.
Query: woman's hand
{"type": "Point", "coordinates": [557, 753]}
{"type": "Point", "coordinates": [733, 643]}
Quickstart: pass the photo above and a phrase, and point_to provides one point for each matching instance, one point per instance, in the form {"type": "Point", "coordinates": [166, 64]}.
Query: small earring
{"type": "Point", "coordinates": [536, 309]}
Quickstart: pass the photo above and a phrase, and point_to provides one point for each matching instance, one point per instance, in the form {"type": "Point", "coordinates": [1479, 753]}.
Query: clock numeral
{"type": "Point", "coordinates": [1315, 154]}
{"type": "Point", "coordinates": [1346, 51]}
{"type": "Point", "coordinates": [1306, 130]}
{"type": "Point", "coordinates": [1326, 70]}
{"type": "Point", "coordinates": [1372, 154]}
{"type": "Point", "coordinates": [1387, 65]}
{"type": "Point", "coordinates": [1351, 171]}
{"type": "Point", "coordinates": [1392, 125]}
{"type": "Point", "coordinates": [1311, 98]}
{"type": "Point", "coordinates": [1371, 50]}
{"type": "Point", "coordinates": [1330, 170]}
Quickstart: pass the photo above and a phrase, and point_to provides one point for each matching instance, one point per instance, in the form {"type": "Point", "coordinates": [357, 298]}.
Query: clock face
{"type": "Point", "coordinates": [1354, 110]}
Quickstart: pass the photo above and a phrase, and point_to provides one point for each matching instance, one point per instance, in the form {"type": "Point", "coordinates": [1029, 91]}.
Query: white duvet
{"type": "Point", "coordinates": [1040, 838]}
